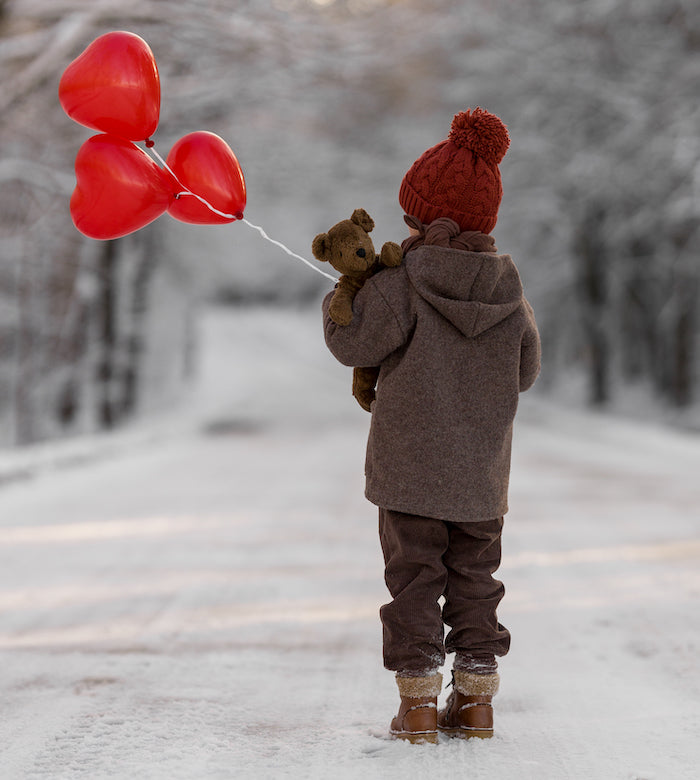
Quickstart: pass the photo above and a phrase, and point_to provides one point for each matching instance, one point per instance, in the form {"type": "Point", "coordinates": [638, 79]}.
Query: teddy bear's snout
{"type": "Point", "coordinates": [361, 252]}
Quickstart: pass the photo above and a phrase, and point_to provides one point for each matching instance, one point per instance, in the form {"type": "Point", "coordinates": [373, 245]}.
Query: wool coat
{"type": "Point", "coordinates": [456, 341]}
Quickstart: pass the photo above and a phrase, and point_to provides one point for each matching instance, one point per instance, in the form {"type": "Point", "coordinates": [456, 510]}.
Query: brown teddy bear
{"type": "Point", "coordinates": [349, 249]}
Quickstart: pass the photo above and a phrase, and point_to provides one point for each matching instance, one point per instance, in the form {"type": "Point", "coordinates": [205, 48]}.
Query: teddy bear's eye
{"type": "Point", "coordinates": [360, 252]}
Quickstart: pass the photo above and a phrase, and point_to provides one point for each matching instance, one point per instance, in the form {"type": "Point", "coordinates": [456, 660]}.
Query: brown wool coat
{"type": "Point", "coordinates": [456, 342]}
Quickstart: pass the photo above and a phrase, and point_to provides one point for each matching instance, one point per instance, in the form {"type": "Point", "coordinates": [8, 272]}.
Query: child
{"type": "Point", "coordinates": [456, 342]}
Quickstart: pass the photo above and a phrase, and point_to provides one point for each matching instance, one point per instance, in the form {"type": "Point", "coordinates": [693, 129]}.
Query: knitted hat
{"type": "Point", "coordinates": [459, 178]}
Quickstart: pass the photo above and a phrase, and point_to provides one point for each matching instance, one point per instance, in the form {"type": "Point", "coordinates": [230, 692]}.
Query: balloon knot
{"type": "Point", "coordinates": [238, 215]}
{"type": "Point", "coordinates": [150, 144]}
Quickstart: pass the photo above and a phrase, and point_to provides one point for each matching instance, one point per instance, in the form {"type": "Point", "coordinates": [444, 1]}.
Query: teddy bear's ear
{"type": "Point", "coordinates": [319, 247]}
{"type": "Point", "coordinates": [362, 218]}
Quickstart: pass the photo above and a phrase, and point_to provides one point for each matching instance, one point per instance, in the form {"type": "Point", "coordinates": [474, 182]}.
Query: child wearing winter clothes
{"type": "Point", "coordinates": [456, 342]}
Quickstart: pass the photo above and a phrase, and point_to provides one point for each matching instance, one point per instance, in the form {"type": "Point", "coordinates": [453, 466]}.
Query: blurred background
{"type": "Point", "coordinates": [326, 104]}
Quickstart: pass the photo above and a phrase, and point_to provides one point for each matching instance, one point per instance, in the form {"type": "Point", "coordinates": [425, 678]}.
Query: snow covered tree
{"type": "Point", "coordinates": [326, 105]}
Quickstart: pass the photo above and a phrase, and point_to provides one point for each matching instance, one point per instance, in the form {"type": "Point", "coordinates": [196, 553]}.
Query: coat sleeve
{"type": "Point", "coordinates": [377, 328]}
{"type": "Point", "coordinates": [530, 351]}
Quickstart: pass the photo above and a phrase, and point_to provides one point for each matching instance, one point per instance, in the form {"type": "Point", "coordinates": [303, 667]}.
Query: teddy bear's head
{"type": "Point", "coordinates": [347, 245]}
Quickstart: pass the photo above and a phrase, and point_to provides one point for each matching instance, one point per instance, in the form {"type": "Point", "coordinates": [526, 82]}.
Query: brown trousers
{"type": "Point", "coordinates": [425, 559]}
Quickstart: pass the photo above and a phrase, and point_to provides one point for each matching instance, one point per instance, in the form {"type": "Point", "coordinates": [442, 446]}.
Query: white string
{"type": "Point", "coordinates": [163, 163]}
{"type": "Point", "coordinates": [334, 279]}
{"type": "Point", "coordinates": [185, 191]}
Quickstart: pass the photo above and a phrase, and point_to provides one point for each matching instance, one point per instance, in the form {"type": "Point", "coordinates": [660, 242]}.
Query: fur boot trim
{"type": "Point", "coordinates": [476, 684]}
{"type": "Point", "coordinates": [420, 687]}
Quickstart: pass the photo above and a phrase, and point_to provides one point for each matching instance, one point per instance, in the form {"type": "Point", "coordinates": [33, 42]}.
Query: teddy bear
{"type": "Point", "coordinates": [348, 247]}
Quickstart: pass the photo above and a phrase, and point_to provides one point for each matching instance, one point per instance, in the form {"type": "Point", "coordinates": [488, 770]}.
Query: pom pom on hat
{"type": "Point", "coordinates": [459, 177]}
{"type": "Point", "coordinates": [482, 133]}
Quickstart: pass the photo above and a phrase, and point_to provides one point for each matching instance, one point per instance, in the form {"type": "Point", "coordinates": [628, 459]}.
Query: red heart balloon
{"type": "Point", "coordinates": [113, 86]}
{"type": "Point", "coordinates": [119, 190]}
{"type": "Point", "coordinates": [205, 165]}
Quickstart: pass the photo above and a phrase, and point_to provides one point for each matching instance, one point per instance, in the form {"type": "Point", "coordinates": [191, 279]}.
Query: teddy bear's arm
{"type": "Point", "coordinates": [391, 254]}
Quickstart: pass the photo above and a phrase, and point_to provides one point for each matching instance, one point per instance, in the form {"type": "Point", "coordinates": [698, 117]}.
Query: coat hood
{"type": "Point", "coordinates": [472, 290]}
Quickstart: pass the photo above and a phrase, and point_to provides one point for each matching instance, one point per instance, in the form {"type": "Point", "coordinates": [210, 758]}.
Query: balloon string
{"type": "Point", "coordinates": [185, 191]}
{"type": "Point", "coordinates": [334, 279]}
{"type": "Point", "coordinates": [151, 147]}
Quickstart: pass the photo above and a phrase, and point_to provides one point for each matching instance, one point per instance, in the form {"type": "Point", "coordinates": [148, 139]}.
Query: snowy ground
{"type": "Point", "coordinates": [199, 599]}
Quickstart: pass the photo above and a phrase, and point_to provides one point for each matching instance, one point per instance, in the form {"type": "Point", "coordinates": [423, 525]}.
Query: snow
{"type": "Point", "coordinates": [197, 597]}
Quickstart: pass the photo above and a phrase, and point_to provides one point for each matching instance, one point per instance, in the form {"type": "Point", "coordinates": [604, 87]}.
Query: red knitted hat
{"type": "Point", "coordinates": [459, 178]}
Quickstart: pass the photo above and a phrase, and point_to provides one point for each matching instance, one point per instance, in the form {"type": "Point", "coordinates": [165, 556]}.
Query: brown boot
{"type": "Point", "coordinates": [468, 712]}
{"type": "Point", "coordinates": [416, 721]}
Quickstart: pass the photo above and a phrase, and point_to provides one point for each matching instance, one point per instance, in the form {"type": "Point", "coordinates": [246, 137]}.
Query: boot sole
{"type": "Point", "coordinates": [416, 738]}
{"type": "Point", "coordinates": [460, 733]}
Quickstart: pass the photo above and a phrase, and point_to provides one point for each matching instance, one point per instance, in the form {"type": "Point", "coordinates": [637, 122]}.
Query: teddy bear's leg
{"type": "Point", "coordinates": [364, 380]}
{"type": "Point", "coordinates": [340, 308]}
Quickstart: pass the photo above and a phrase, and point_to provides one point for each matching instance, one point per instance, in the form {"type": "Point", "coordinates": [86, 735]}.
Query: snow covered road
{"type": "Point", "coordinates": [200, 601]}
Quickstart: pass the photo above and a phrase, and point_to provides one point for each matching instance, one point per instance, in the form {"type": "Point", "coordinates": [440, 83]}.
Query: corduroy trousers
{"type": "Point", "coordinates": [427, 559]}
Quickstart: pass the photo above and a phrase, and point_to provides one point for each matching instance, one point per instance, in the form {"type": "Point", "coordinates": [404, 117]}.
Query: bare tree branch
{"type": "Point", "coordinates": [64, 37]}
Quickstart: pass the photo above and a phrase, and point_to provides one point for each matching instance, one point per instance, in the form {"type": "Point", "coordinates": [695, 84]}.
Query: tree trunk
{"type": "Point", "coordinates": [107, 334]}
{"type": "Point", "coordinates": [682, 378]}
{"type": "Point", "coordinates": [593, 292]}
{"type": "Point", "coordinates": [146, 264]}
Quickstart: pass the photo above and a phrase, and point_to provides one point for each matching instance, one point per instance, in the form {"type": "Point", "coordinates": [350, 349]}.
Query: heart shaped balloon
{"type": "Point", "coordinates": [119, 190]}
{"type": "Point", "coordinates": [204, 163]}
{"type": "Point", "coordinates": [114, 87]}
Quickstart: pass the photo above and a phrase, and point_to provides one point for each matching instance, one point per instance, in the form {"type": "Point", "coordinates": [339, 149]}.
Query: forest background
{"type": "Point", "coordinates": [326, 104]}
